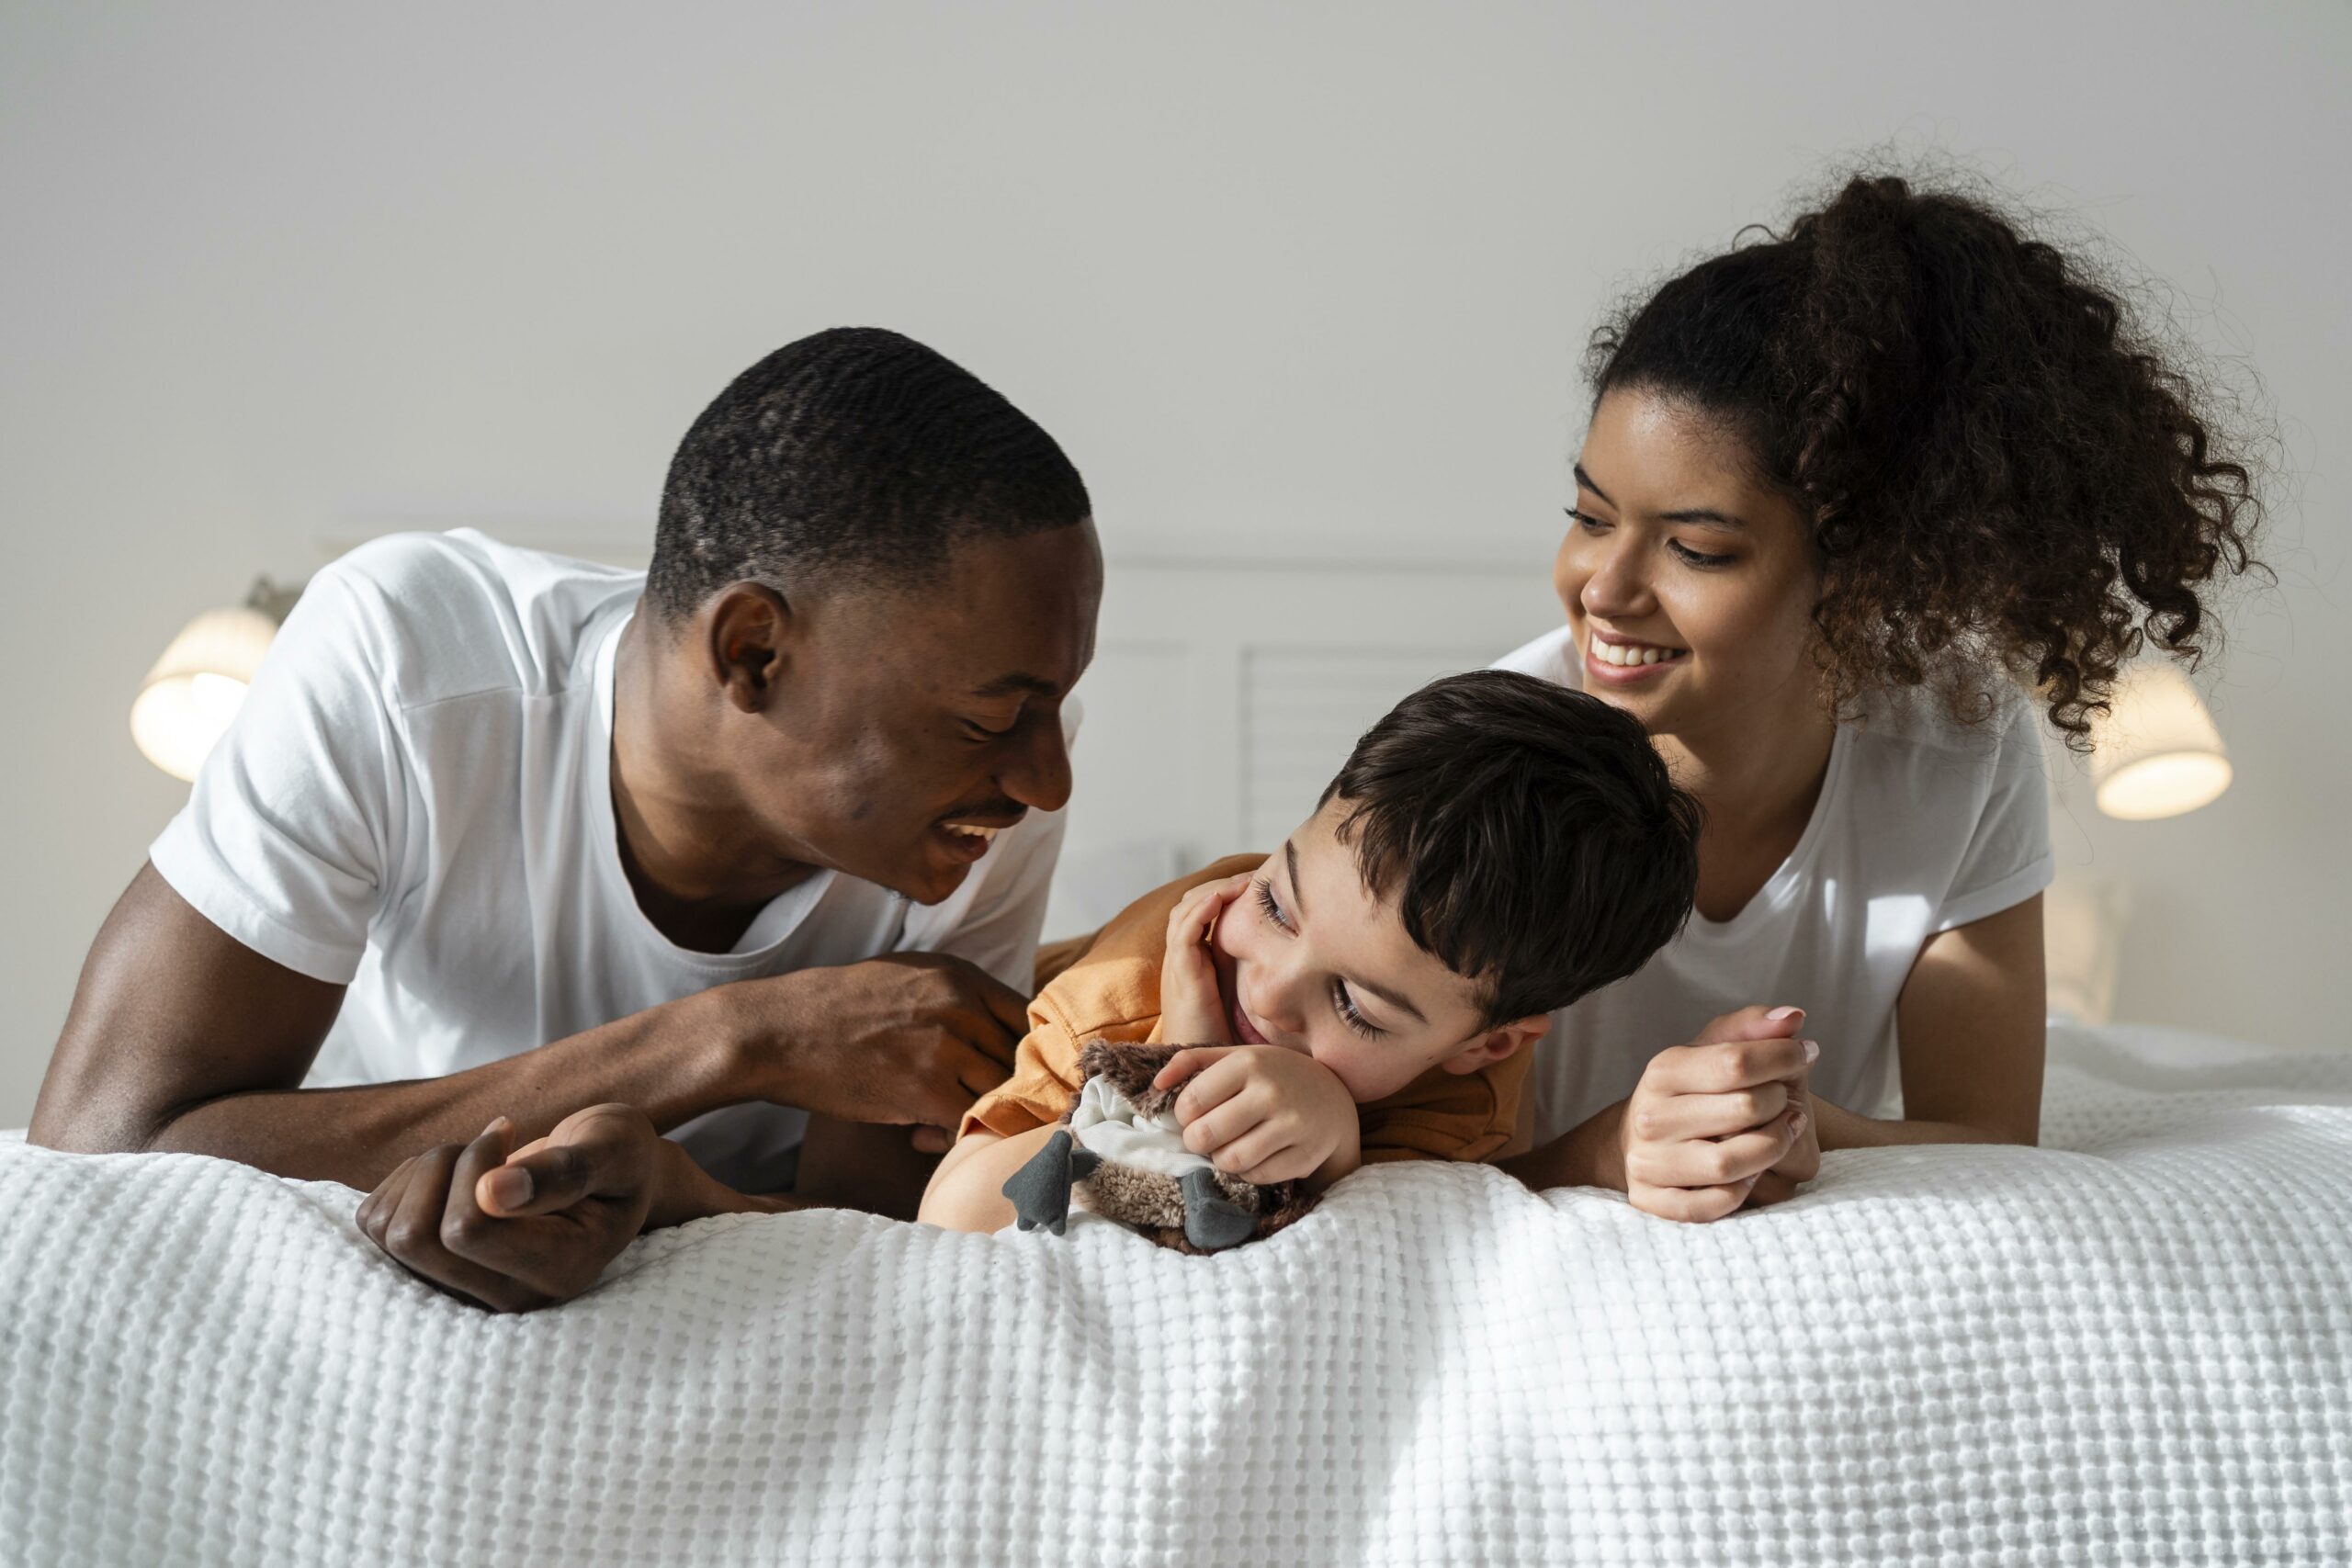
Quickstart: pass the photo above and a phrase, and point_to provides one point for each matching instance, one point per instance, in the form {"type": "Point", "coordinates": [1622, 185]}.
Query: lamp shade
{"type": "Point", "coordinates": [2156, 753]}
{"type": "Point", "coordinates": [197, 687]}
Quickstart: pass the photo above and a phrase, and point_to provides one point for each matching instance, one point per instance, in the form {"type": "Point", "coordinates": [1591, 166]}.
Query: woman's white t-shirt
{"type": "Point", "coordinates": [416, 803]}
{"type": "Point", "coordinates": [1923, 824]}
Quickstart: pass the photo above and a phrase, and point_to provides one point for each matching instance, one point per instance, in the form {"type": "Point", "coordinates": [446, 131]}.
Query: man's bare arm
{"type": "Point", "coordinates": [181, 1038]}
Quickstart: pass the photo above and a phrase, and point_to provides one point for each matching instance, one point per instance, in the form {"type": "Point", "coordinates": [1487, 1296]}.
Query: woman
{"type": "Point", "coordinates": [1845, 494]}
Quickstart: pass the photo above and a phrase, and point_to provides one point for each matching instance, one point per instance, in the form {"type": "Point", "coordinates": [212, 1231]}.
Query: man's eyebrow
{"type": "Point", "coordinates": [1298, 911]}
{"type": "Point", "coordinates": [1031, 685]}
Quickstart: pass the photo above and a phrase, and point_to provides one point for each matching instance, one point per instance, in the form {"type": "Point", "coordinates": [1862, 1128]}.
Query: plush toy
{"type": "Point", "coordinates": [1120, 1153]}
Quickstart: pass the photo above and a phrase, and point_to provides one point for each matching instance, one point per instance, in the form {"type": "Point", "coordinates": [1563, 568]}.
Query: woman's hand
{"type": "Point", "coordinates": [1191, 1008]}
{"type": "Point", "coordinates": [1265, 1114]}
{"type": "Point", "coordinates": [1710, 1121]}
{"type": "Point", "coordinates": [1799, 1164]}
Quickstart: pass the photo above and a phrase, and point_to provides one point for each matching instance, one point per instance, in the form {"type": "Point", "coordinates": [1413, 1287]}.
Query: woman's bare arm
{"type": "Point", "coordinates": [1970, 1025]}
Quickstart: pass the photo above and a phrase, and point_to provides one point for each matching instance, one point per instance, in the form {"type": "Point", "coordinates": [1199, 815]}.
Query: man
{"type": "Point", "coordinates": [499, 835]}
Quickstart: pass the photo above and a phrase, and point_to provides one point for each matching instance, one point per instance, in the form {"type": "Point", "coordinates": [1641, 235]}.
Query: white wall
{"type": "Point", "coordinates": [1306, 279]}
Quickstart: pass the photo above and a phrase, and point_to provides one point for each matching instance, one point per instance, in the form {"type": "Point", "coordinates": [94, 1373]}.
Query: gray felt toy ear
{"type": "Point", "coordinates": [1211, 1221]}
{"type": "Point", "coordinates": [1040, 1189]}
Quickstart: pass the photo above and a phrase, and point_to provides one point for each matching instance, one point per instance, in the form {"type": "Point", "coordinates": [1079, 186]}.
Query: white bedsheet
{"type": "Point", "coordinates": [2132, 1346]}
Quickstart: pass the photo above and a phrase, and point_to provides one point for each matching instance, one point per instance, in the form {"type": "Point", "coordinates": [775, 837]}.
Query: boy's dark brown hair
{"type": "Point", "coordinates": [1530, 834]}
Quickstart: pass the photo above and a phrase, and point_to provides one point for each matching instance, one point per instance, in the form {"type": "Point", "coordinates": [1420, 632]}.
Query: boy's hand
{"type": "Point", "coordinates": [1263, 1113]}
{"type": "Point", "coordinates": [1709, 1121]}
{"type": "Point", "coordinates": [1192, 1010]}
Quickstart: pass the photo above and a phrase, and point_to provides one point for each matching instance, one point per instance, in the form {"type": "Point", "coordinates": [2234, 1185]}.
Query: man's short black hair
{"type": "Point", "coordinates": [1530, 836]}
{"type": "Point", "coordinates": [856, 452]}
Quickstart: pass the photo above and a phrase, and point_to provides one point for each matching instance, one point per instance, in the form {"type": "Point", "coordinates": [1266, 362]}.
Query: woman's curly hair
{"type": "Point", "coordinates": [2002, 468]}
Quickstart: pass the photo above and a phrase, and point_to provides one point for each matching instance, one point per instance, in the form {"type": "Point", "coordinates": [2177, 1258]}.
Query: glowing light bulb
{"type": "Point", "coordinates": [192, 695]}
{"type": "Point", "coordinates": [2157, 753]}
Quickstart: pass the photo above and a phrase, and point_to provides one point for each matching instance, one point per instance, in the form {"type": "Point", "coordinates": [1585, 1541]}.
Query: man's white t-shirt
{"type": "Point", "coordinates": [1923, 824]}
{"type": "Point", "coordinates": [415, 802]}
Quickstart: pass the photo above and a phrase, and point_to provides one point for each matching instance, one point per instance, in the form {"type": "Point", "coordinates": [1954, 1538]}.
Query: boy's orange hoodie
{"type": "Point", "coordinates": [1113, 993]}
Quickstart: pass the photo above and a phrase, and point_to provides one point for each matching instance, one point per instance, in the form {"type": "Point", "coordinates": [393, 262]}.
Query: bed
{"type": "Point", "coordinates": [2132, 1345]}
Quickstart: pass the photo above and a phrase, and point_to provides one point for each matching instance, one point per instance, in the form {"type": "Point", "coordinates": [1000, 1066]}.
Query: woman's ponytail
{"type": "Point", "coordinates": [1999, 469]}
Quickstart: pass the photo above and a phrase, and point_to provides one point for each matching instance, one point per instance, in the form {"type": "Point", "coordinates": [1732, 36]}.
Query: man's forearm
{"type": "Point", "coordinates": [674, 1062]}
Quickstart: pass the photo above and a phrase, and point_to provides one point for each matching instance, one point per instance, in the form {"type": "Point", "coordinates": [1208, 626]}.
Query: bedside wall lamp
{"type": "Point", "coordinates": [195, 689]}
{"type": "Point", "coordinates": [2156, 753]}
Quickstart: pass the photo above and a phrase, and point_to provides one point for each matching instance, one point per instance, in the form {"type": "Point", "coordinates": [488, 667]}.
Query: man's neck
{"type": "Point", "coordinates": [700, 870]}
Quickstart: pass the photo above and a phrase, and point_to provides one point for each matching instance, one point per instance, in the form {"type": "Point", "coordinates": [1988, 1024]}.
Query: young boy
{"type": "Point", "coordinates": [1495, 848]}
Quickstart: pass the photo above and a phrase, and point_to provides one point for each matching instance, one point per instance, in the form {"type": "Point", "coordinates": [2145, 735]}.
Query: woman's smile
{"type": "Point", "coordinates": [1619, 661]}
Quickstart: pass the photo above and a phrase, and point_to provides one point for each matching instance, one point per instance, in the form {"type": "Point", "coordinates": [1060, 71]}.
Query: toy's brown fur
{"type": "Point", "coordinates": [1152, 1204]}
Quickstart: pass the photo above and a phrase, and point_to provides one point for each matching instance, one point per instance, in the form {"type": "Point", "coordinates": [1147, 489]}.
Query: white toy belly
{"type": "Point", "coordinates": [1105, 1122]}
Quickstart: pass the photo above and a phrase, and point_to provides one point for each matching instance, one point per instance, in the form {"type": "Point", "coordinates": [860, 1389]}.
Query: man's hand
{"type": "Point", "coordinates": [1191, 1008]}
{"type": "Point", "coordinates": [1710, 1121]}
{"type": "Point", "coordinates": [522, 1231]}
{"type": "Point", "coordinates": [910, 1038]}
{"type": "Point", "coordinates": [1263, 1113]}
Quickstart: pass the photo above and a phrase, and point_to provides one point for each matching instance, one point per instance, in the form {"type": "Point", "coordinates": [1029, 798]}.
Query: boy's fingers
{"type": "Point", "coordinates": [1210, 1088]}
{"type": "Point", "coordinates": [1186, 1062]}
{"type": "Point", "coordinates": [1253, 1149]}
{"type": "Point", "coordinates": [1208, 1132]}
{"type": "Point", "coordinates": [1189, 922]}
{"type": "Point", "coordinates": [931, 1141]}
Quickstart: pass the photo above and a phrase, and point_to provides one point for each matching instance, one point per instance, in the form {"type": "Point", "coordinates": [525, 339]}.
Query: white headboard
{"type": "Point", "coordinates": [1225, 693]}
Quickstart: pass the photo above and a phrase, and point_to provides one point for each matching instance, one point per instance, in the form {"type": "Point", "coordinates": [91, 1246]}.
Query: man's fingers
{"type": "Point", "coordinates": [595, 1154]}
{"type": "Point", "coordinates": [977, 1072]}
{"type": "Point", "coordinates": [376, 1208]}
{"type": "Point", "coordinates": [1000, 1002]}
{"type": "Point", "coordinates": [412, 1236]}
{"type": "Point", "coordinates": [462, 1214]}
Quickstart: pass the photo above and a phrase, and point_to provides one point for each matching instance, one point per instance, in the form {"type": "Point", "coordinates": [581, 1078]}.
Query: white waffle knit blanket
{"type": "Point", "coordinates": [2133, 1347]}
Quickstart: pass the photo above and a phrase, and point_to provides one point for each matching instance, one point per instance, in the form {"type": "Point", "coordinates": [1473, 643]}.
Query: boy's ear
{"type": "Point", "coordinates": [1497, 1043]}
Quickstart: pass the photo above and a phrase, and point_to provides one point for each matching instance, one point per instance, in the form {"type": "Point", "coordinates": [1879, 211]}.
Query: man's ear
{"type": "Point", "coordinates": [747, 631]}
{"type": "Point", "coordinates": [1497, 1043]}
